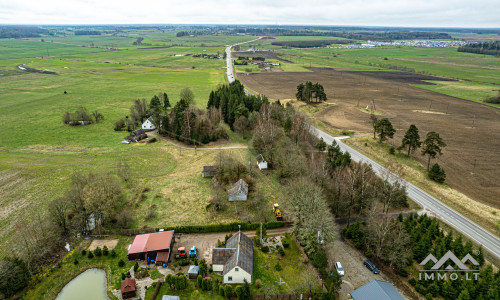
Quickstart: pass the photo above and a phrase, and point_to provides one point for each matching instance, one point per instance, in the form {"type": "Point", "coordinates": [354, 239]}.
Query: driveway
{"type": "Point", "coordinates": [356, 274]}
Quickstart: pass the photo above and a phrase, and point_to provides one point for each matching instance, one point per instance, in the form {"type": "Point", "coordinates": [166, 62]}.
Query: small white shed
{"type": "Point", "coordinates": [148, 124]}
{"type": "Point", "coordinates": [261, 162]}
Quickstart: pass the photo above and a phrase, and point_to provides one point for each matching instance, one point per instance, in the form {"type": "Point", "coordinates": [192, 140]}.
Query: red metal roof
{"type": "Point", "coordinates": [151, 242]}
{"type": "Point", "coordinates": [128, 285]}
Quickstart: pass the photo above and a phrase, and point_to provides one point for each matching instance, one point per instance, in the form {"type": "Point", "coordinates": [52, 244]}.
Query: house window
{"type": "Point", "coordinates": [236, 269]}
{"type": "Point", "coordinates": [230, 278]}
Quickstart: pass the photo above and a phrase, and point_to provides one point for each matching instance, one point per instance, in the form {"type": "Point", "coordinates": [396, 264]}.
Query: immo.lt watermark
{"type": "Point", "coordinates": [449, 272]}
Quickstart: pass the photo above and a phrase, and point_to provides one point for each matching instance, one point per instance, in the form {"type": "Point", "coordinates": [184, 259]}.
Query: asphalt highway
{"type": "Point", "coordinates": [470, 229]}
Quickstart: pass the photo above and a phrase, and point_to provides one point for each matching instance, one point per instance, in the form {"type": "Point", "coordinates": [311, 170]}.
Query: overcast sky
{"type": "Point", "coordinates": [419, 13]}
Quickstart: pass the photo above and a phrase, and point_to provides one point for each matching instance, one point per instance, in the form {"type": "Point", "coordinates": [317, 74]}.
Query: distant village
{"type": "Point", "coordinates": [406, 43]}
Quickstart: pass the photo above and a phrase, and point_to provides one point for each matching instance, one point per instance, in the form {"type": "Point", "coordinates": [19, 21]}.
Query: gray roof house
{"type": "Point", "coordinates": [377, 290]}
{"type": "Point", "coordinates": [236, 260]}
{"type": "Point", "coordinates": [239, 192]}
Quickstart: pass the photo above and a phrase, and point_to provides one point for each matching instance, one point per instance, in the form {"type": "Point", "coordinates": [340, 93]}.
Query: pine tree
{"type": "Point", "coordinates": [437, 173]}
{"type": "Point", "coordinates": [166, 102]}
{"type": "Point", "coordinates": [384, 129]}
{"type": "Point", "coordinates": [432, 146]}
{"type": "Point", "coordinates": [411, 139]}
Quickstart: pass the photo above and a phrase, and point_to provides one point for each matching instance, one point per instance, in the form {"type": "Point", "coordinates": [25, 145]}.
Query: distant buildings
{"type": "Point", "coordinates": [404, 43]}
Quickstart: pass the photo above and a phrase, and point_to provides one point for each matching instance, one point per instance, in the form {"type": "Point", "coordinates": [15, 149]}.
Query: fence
{"type": "Point", "coordinates": [285, 296]}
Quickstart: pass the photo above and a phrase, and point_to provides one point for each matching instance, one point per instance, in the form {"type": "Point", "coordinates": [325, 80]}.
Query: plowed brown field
{"type": "Point", "coordinates": [471, 130]}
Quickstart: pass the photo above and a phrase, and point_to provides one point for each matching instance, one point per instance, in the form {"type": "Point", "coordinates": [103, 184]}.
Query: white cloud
{"type": "Point", "coordinates": [422, 13]}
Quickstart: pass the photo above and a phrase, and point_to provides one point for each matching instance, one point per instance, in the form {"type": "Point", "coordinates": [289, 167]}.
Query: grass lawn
{"type": "Point", "coordinates": [296, 276]}
{"type": "Point", "coordinates": [53, 279]}
{"type": "Point", "coordinates": [192, 292]}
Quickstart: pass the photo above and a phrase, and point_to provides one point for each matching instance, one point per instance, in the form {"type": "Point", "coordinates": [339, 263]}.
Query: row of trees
{"type": "Point", "coordinates": [431, 146]}
{"type": "Point", "coordinates": [82, 117]}
{"type": "Point", "coordinates": [306, 92]}
{"type": "Point", "coordinates": [489, 48]}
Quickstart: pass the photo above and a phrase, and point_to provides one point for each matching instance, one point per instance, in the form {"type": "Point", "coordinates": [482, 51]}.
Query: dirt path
{"type": "Point", "coordinates": [156, 135]}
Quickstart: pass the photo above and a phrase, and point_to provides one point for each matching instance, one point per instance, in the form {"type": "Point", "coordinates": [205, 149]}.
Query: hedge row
{"type": "Point", "coordinates": [223, 227]}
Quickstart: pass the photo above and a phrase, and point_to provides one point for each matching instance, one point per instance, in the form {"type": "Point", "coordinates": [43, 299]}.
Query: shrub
{"type": "Point", "coordinates": [123, 276]}
{"type": "Point", "coordinates": [121, 263]}
{"type": "Point", "coordinates": [199, 281]}
{"type": "Point", "coordinates": [91, 255]}
{"type": "Point", "coordinates": [136, 266]}
{"type": "Point", "coordinates": [392, 150]}
{"type": "Point", "coordinates": [369, 253]}
{"type": "Point", "coordinates": [113, 253]}
{"type": "Point", "coordinates": [84, 252]}
{"type": "Point", "coordinates": [75, 261]}
{"type": "Point", "coordinates": [221, 290]}
{"type": "Point", "coordinates": [412, 281]}
{"type": "Point", "coordinates": [98, 252]}
{"type": "Point", "coordinates": [265, 249]}
{"type": "Point", "coordinates": [219, 243]}
{"type": "Point", "coordinates": [278, 267]}
{"type": "Point", "coordinates": [437, 174]}
{"type": "Point", "coordinates": [281, 251]}
{"type": "Point", "coordinates": [285, 244]}
{"type": "Point", "coordinates": [208, 228]}
{"type": "Point", "coordinates": [228, 291]}
{"type": "Point", "coordinates": [403, 272]}
{"type": "Point", "coordinates": [428, 296]}
{"type": "Point", "coordinates": [258, 283]}
{"type": "Point", "coordinates": [105, 251]}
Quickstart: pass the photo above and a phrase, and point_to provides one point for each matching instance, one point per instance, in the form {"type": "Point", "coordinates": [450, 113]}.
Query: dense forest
{"type": "Point", "coordinates": [488, 48]}
{"type": "Point", "coordinates": [234, 102]}
{"type": "Point", "coordinates": [21, 31]}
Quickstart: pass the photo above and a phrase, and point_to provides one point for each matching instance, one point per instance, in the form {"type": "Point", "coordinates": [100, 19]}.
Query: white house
{"type": "Point", "coordinates": [261, 162]}
{"type": "Point", "coordinates": [239, 192]}
{"type": "Point", "coordinates": [148, 124]}
{"type": "Point", "coordinates": [236, 260]}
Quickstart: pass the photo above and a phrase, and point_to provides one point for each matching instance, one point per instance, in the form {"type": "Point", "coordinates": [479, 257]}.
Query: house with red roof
{"type": "Point", "coordinates": [128, 288]}
{"type": "Point", "coordinates": [156, 247]}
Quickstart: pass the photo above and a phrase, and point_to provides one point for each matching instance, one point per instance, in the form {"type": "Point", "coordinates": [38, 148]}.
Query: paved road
{"type": "Point", "coordinates": [229, 61]}
{"type": "Point", "coordinates": [467, 227]}
{"type": "Point", "coordinates": [436, 207]}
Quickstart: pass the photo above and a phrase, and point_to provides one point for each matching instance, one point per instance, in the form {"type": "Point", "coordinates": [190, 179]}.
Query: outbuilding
{"type": "Point", "coordinates": [155, 247]}
{"type": "Point", "coordinates": [193, 272]}
{"type": "Point", "coordinates": [128, 288]}
{"type": "Point", "coordinates": [239, 192]}
{"type": "Point", "coordinates": [261, 162]}
{"type": "Point", "coordinates": [208, 171]}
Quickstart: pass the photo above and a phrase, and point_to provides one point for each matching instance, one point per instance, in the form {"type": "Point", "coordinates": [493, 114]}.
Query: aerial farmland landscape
{"type": "Point", "coordinates": [252, 151]}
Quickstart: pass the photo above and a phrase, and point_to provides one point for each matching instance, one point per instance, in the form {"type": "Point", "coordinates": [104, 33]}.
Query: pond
{"type": "Point", "coordinates": [91, 284]}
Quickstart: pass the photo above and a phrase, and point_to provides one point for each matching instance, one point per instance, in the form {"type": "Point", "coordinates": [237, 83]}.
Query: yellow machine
{"type": "Point", "coordinates": [277, 211]}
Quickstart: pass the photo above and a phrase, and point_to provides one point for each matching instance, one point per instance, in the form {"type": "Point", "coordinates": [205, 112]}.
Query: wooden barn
{"type": "Point", "coordinates": [156, 247]}
{"type": "Point", "coordinates": [239, 192]}
{"type": "Point", "coordinates": [136, 136]}
{"type": "Point", "coordinates": [208, 171]}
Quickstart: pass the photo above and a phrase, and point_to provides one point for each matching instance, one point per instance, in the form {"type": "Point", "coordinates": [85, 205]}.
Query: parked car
{"type": "Point", "coordinates": [338, 267]}
{"type": "Point", "coordinates": [371, 267]}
